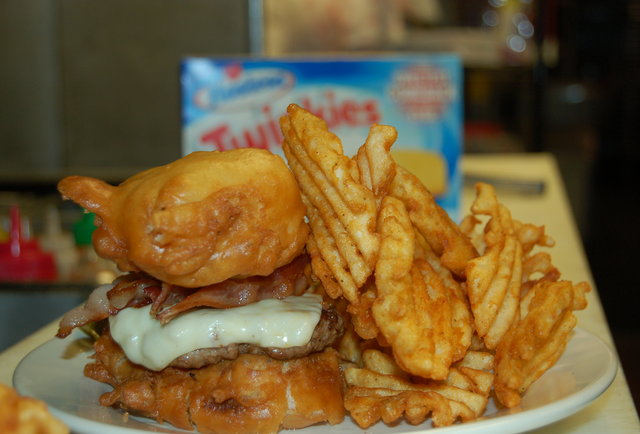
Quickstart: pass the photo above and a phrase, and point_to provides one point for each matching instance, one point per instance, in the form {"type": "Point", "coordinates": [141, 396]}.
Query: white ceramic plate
{"type": "Point", "coordinates": [53, 373]}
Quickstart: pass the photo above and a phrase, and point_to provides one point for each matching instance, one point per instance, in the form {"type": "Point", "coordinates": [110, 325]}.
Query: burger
{"type": "Point", "coordinates": [216, 322]}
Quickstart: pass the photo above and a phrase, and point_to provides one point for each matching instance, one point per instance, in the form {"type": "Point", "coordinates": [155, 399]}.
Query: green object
{"type": "Point", "coordinates": [83, 229]}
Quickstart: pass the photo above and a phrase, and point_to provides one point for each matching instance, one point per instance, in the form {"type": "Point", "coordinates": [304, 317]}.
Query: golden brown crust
{"type": "Point", "coordinates": [200, 220]}
{"type": "Point", "coordinates": [253, 393]}
{"type": "Point", "coordinates": [438, 229]}
{"type": "Point", "coordinates": [23, 415]}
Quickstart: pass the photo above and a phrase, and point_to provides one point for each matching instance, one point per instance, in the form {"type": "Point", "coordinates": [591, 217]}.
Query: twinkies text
{"type": "Point", "coordinates": [266, 134]}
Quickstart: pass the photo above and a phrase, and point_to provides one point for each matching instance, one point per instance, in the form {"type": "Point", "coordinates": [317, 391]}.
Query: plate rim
{"type": "Point", "coordinates": [573, 402]}
{"type": "Point", "coordinates": [553, 411]}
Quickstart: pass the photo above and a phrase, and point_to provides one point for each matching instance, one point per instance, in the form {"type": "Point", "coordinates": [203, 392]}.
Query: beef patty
{"type": "Point", "coordinates": [329, 328]}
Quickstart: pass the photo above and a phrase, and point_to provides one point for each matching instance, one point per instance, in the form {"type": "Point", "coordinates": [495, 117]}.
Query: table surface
{"type": "Point", "coordinates": [613, 411]}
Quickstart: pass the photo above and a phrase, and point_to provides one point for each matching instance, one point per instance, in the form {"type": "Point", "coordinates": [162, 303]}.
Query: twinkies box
{"type": "Point", "coordinates": [234, 103]}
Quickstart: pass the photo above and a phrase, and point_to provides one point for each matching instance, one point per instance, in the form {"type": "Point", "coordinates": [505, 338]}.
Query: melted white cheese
{"type": "Point", "coordinates": [268, 323]}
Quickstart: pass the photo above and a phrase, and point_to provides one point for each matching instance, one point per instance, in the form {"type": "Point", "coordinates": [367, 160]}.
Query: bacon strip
{"type": "Point", "coordinates": [139, 289]}
{"type": "Point", "coordinates": [134, 290]}
{"type": "Point", "coordinates": [283, 282]}
{"type": "Point", "coordinates": [129, 290]}
{"type": "Point", "coordinates": [96, 307]}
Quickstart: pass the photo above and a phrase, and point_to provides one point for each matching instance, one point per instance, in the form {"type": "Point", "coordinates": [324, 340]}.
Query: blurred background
{"type": "Point", "coordinates": [93, 88]}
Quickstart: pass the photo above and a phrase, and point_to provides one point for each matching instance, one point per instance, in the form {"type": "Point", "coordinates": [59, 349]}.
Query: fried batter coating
{"type": "Point", "coordinates": [252, 393]}
{"type": "Point", "coordinates": [25, 415]}
{"type": "Point", "coordinates": [200, 220]}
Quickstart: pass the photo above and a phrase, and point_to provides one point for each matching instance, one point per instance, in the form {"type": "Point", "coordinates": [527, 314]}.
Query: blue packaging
{"type": "Point", "coordinates": [230, 103]}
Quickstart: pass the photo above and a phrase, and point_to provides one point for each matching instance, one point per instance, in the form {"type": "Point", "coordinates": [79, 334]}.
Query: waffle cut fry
{"type": "Point", "coordinates": [414, 309]}
{"type": "Point", "coordinates": [380, 390]}
{"type": "Point", "coordinates": [375, 164]}
{"type": "Point", "coordinates": [537, 340]}
{"type": "Point", "coordinates": [494, 278]}
{"type": "Point", "coordinates": [462, 323]}
{"type": "Point", "coordinates": [439, 315]}
{"type": "Point", "coordinates": [342, 211]}
{"type": "Point", "coordinates": [445, 238]}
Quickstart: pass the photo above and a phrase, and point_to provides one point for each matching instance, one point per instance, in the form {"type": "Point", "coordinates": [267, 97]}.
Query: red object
{"type": "Point", "coordinates": [22, 259]}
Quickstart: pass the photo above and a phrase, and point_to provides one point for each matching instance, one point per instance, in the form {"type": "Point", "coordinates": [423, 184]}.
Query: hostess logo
{"type": "Point", "coordinates": [238, 88]}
